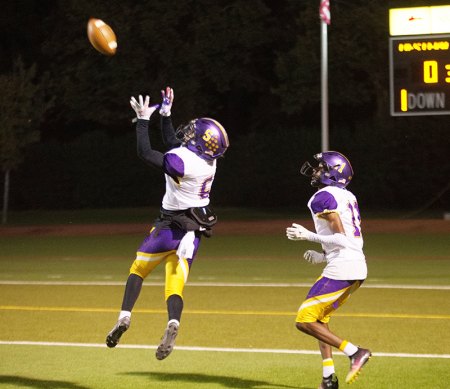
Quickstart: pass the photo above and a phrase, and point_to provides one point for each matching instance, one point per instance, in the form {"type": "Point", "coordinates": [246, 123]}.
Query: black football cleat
{"type": "Point", "coordinates": [167, 341]}
{"type": "Point", "coordinates": [330, 382]}
{"type": "Point", "coordinates": [114, 336]}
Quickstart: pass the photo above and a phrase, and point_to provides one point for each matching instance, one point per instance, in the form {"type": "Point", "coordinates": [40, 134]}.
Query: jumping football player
{"type": "Point", "coordinates": [337, 222]}
{"type": "Point", "coordinates": [189, 167]}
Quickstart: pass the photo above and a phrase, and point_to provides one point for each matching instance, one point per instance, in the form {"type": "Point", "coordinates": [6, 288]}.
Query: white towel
{"type": "Point", "coordinates": [186, 247]}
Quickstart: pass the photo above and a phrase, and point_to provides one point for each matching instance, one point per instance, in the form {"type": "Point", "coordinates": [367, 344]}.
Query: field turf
{"type": "Point", "coordinates": [60, 296]}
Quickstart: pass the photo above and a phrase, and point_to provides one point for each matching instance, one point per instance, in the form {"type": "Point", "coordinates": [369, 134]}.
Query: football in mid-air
{"type": "Point", "coordinates": [101, 36]}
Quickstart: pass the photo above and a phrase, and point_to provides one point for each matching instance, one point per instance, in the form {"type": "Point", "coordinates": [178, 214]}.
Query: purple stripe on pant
{"type": "Point", "coordinates": [166, 240]}
{"type": "Point", "coordinates": [326, 285]}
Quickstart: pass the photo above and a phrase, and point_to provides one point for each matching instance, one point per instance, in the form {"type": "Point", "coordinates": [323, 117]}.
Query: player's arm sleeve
{"type": "Point", "coordinates": [151, 157]}
{"type": "Point", "coordinates": [339, 240]}
{"type": "Point", "coordinates": [168, 133]}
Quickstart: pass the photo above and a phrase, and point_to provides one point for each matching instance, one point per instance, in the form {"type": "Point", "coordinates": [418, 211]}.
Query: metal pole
{"type": "Point", "coordinates": [5, 198]}
{"type": "Point", "coordinates": [324, 83]}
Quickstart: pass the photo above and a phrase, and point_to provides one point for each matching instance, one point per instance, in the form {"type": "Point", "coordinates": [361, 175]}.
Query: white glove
{"type": "Point", "coordinates": [314, 257]}
{"type": "Point", "coordinates": [167, 101]}
{"type": "Point", "coordinates": [298, 232]}
{"type": "Point", "coordinates": [142, 108]}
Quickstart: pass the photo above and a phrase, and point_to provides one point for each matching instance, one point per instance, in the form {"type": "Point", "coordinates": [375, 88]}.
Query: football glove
{"type": "Point", "coordinates": [314, 257]}
{"type": "Point", "coordinates": [142, 108]}
{"type": "Point", "coordinates": [298, 232]}
{"type": "Point", "coordinates": [167, 101]}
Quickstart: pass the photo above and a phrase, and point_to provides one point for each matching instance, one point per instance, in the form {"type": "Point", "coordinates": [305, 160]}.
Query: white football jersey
{"type": "Point", "coordinates": [346, 263]}
{"type": "Point", "coordinates": [188, 179]}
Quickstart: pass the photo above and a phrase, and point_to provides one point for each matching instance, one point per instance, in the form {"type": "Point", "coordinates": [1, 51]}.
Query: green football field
{"type": "Point", "coordinates": [61, 295]}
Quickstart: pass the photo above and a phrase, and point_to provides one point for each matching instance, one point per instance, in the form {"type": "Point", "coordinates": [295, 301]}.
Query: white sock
{"type": "Point", "coordinates": [348, 348]}
{"type": "Point", "coordinates": [328, 367]}
{"type": "Point", "coordinates": [122, 314]}
{"type": "Point", "coordinates": [174, 321]}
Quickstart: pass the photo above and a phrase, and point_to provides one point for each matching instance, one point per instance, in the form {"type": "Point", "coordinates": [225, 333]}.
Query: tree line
{"type": "Point", "coordinates": [252, 65]}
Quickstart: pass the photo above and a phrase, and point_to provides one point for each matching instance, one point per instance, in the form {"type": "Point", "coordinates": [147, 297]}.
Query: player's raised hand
{"type": "Point", "coordinates": [314, 257]}
{"type": "Point", "coordinates": [142, 107]}
{"type": "Point", "coordinates": [167, 96]}
{"type": "Point", "coordinates": [297, 232]}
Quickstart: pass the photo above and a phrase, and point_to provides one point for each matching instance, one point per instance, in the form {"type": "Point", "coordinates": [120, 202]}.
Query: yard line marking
{"type": "Point", "coordinates": [219, 312]}
{"type": "Point", "coordinates": [217, 349]}
{"type": "Point", "coordinates": [223, 284]}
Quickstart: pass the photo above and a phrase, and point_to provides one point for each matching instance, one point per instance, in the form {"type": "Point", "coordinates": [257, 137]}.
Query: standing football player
{"type": "Point", "coordinates": [337, 221]}
{"type": "Point", "coordinates": [189, 167]}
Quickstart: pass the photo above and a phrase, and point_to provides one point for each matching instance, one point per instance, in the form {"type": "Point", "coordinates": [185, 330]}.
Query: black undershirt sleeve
{"type": "Point", "coordinates": [151, 157]}
{"type": "Point", "coordinates": [168, 133]}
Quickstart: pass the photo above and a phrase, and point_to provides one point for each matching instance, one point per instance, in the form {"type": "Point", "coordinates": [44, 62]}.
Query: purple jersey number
{"type": "Point", "coordinates": [206, 188]}
{"type": "Point", "coordinates": [356, 219]}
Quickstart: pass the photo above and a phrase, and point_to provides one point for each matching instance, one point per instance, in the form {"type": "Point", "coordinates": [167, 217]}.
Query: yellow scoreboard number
{"type": "Point", "coordinates": [420, 75]}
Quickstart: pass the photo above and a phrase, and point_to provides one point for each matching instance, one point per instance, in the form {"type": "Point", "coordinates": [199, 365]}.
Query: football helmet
{"type": "Point", "coordinates": [333, 169]}
{"type": "Point", "coordinates": [205, 137]}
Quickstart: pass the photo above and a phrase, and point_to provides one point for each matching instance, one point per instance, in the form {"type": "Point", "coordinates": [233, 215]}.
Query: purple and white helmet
{"type": "Point", "coordinates": [334, 169]}
{"type": "Point", "coordinates": [205, 137]}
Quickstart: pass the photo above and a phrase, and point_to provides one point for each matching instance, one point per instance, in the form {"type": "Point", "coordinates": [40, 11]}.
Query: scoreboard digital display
{"type": "Point", "coordinates": [419, 75]}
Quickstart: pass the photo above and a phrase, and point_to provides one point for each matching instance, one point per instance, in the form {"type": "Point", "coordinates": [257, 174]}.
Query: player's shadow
{"type": "Point", "coordinates": [39, 384]}
{"type": "Point", "coordinates": [225, 381]}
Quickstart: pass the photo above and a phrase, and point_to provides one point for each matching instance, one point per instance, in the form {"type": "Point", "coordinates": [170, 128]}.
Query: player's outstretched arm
{"type": "Point", "coordinates": [298, 232]}
{"type": "Point", "coordinates": [143, 111]}
{"type": "Point", "coordinates": [167, 131]}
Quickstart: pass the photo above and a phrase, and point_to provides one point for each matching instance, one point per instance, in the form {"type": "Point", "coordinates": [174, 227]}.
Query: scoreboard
{"type": "Point", "coordinates": [419, 60]}
{"type": "Point", "coordinates": [419, 79]}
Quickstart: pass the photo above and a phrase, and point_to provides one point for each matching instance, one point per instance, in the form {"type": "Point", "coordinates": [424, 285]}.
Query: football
{"type": "Point", "coordinates": [101, 36]}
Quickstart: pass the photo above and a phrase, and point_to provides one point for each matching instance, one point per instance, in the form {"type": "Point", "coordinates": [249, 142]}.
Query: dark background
{"type": "Point", "coordinates": [254, 65]}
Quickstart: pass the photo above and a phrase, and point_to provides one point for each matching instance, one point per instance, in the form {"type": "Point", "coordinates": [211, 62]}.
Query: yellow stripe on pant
{"type": "Point", "coordinates": [320, 307]}
{"type": "Point", "coordinates": [177, 271]}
